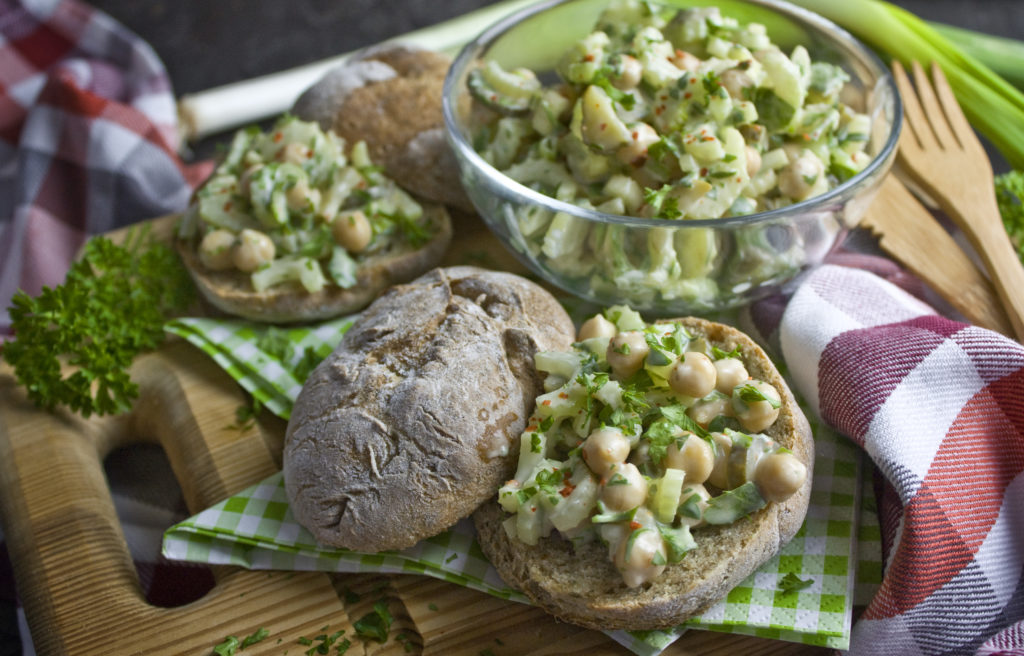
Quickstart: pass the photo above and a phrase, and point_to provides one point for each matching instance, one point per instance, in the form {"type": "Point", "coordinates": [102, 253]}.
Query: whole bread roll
{"type": "Point", "coordinates": [415, 418]}
{"type": "Point", "coordinates": [582, 586]}
{"type": "Point", "coordinates": [390, 97]}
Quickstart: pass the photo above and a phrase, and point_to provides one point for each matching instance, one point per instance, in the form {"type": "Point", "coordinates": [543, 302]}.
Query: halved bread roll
{"type": "Point", "coordinates": [232, 292]}
{"type": "Point", "coordinates": [581, 585]}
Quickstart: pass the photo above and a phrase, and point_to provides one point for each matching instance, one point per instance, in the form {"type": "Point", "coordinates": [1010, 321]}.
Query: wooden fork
{"type": "Point", "coordinates": [939, 150]}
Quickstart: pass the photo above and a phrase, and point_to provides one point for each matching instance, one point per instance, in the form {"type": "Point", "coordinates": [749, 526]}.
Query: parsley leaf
{"type": "Point", "coordinates": [228, 647]}
{"type": "Point", "coordinates": [791, 583]}
{"type": "Point", "coordinates": [260, 635]}
{"type": "Point", "coordinates": [751, 394]}
{"type": "Point", "coordinates": [111, 306]}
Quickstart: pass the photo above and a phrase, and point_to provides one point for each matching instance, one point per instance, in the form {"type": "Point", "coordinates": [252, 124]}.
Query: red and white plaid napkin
{"type": "Point", "coordinates": [87, 135]}
{"type": "Point", "coordinates": [87, 138]}
{"type": "Point", "coordinates": [939, 407]}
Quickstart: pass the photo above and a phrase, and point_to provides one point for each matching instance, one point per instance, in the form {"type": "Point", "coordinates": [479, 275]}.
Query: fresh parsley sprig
{"type": "Point", "coordinates": [74, 342]}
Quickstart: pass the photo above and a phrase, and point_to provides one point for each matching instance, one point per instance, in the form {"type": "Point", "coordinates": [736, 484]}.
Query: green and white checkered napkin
{"type": "Point", "coordinates": [255, 528]}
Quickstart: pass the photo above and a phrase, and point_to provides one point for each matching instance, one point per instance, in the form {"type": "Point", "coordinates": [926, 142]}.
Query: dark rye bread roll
{"type": "Point", "coordinates": [415, 418]}
{"type": "Point", "coordinates": [390, 97]}
{"type": "Point", "coordinates": [583, 587]}
{"type": "Point", "coordinates": [232, 292]}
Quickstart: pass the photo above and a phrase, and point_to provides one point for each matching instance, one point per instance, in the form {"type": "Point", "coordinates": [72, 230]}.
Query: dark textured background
{"type": "Point", "coordinates": [208, 43]}
{"type": "Point", "coordinates": [205, 43]}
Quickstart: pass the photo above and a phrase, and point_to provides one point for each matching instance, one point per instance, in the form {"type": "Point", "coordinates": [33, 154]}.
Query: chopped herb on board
{"type": "Point", "coordinates": [375, 625]}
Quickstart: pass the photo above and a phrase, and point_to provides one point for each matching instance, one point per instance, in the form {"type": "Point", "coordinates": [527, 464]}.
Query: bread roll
{"type": "Point", "coordinates": [583, 587]}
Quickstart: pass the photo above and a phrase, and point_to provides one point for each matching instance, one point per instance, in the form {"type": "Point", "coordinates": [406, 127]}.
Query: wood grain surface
{"type": "Point", "coordinates": [79, 587]}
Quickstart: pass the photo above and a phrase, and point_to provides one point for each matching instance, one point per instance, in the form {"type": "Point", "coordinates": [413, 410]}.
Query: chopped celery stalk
{"type": "Point", "coordinates": [666, 498]}
{"type": "Point", "coordinates": [342, 268]}
{"type": "Point", "coordinates": [304, 270]}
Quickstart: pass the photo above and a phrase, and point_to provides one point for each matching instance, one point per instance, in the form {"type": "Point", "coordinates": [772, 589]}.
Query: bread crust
{"type": "Point", "coordinates": [415, 418]}
{"type": "Point", "coordinates": [583, 587]}
{"type": "Point", "coordinates": [232, 292]}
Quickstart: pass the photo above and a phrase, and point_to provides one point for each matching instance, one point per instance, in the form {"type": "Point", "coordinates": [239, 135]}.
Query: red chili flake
{"type": "Point", "coordinates": [603, 126]}
{"type": "Point", "coordinates": [707, 138]}
{"type": "Point", "coordinates": [659, 109]}
{"type": "Point", "coordinates": [278, 136]}
{"type": "Point", "coordinates": [687, 95]}
{"type": "Point", "coordinates": [227, 206]}
{"type": "Point", "coordinates": [494, 97]}
{"type": "Point", "coordinates": [679, 53]}
{"type": "Point", "coordinates": [589, 58]}
{"type": "Point", "coordinates": [739, 179]}
{"type": "Point", "coordinates": [531, 428]}
{"type": "Point", "coordinates": [546, 402]}
{"type": "Point", "coordinates": [807, 137]}
{"type": "Point", "coordinates": [636, 135]}
{"type": "Point", "coordinates": [567, 490]}
{"type": "Point", "coordinates": [703, 172]}
{"type": "Point", "coordinates": [563, 395]}
{"type": "Point", "coordinates": [634, 525]}
{"type": "Point", "coordinates": [533, 508]}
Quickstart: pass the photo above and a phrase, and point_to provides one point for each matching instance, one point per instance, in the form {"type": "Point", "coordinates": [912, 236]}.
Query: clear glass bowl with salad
{"type": "Point", "coordinates": [680, 158]}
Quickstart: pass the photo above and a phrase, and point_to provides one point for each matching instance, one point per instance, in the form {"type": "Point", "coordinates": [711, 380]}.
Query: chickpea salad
{"type": "Point", "coordinates": [644, 432]}
{"type": "Point", "coordinates": [670, 114]}
{"type": "Point", "coordinates": [674, 114]}
{"type": "Point", "coordinates": [291, 206]}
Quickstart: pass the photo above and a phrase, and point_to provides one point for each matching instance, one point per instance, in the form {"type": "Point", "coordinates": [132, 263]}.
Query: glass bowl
{"type": "Point", "coordinates": [664, 266]}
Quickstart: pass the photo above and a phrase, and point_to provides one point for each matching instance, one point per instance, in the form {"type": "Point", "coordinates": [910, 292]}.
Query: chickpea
{"type": "Point", "coordinates": [755, 416]}
{"type": "Point", "coordinates": [215, 250]}
{"type": "Point", "coordinates": [753, 161]}
{"type": "Point", "coordinates": [626, 353]}
{"type": "Point", "coordinates": [604, 450]}
{"type": "Point", "coordinates": [703, 496]}
{"type": "Point", "coordinates": [779, 475]}
{"type": "Point", "coordinates": [352, 230]}
{"type": "Point", "coordinates": [720, 471]}
{"type": "Point", "coordinates": [696, 458]}
{"type": "Point", "coordinates": [625, 488]}
{"type": "Point", "coordinates": [637, 566]}
{"type": "Point", "coordinates": [253, 250]}
{"type": "Point", "coordinates": [693, 375]}
{"type": "Point", "coordinates": [299, 195]}
{"type": "Point", "coordinates": [704, 411]}
{"type": "Point", "coordinates": [596, 326]}
{"type": "Point", "coordinates": [630, 75]}
{"type": "Point", "coordinates": [731, 372]}
{"type": "Point", "coordinates": [736, 82]}
{"type": "Point", "coordinates": [797, 178]}
{"type": "Point", "coordinates": [634, 152]}
{"type": "Point", "coordinates": [294, 153]}
{"type": "Point", "coordinates": [685, 61]}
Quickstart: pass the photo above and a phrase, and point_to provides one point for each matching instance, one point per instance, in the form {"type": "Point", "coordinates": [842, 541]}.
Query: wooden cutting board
{"type": "Point", "coordinates": [79, 587]}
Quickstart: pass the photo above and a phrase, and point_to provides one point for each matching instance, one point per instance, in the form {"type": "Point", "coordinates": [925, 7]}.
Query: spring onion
{"type": "Point", "coordinates": [1002, 55]}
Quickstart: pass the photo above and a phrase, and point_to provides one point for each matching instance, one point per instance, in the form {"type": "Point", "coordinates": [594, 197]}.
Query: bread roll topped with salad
{"type": "Point", "coordinates": [295, 224]}
{"type": "Point", "coordinates": [663, 464]}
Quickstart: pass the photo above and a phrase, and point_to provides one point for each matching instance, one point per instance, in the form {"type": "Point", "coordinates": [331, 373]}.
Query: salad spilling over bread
{"type": "Point", "coordinates": [662, 465]}
{"type": "Point", "coordinates": [672, 114]}
{"type": "Point", "coordinates": [295, 225]}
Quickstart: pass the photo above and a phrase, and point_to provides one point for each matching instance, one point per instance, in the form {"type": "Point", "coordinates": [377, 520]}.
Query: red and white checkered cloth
{"type": "Point", "coordinates": [87, 135]}
{"type": "Point", "coordinates": [86, 144]}
{"type": "Point", "coordinates": [939, 407]}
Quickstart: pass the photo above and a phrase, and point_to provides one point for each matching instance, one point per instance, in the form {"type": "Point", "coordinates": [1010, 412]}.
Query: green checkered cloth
{"type": "Point", "coordinates": [255, 528]}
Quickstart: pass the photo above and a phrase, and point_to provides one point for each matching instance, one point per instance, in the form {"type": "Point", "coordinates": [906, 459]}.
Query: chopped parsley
{"type": "Point", "coordinates": [791, 583]}
{"type": "Point", "coordinates": [375, 625]}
